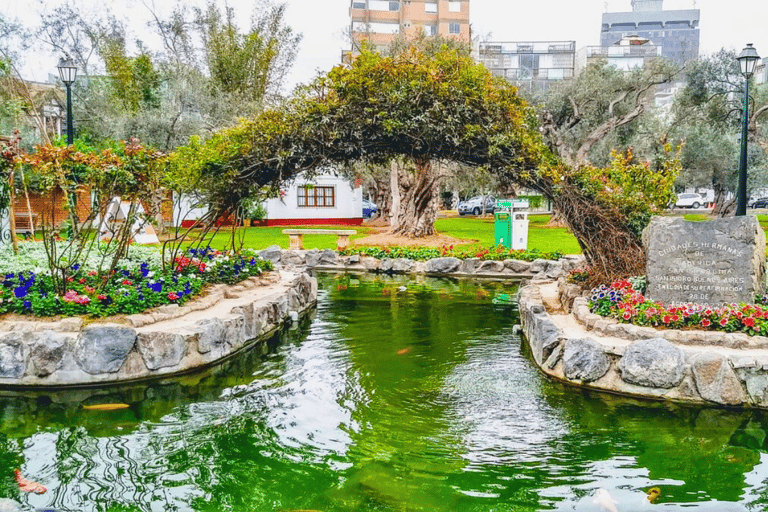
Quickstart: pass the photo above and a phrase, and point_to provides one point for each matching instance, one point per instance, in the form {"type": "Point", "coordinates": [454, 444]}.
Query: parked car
{"type": "Point", "coordinates": [689, 200]}
{"type": "Point", "coordinates": [369, 209]}
{"type": "Point", "coordinates": [475, 205]}
{"type": "Point", "coordinates": [759, 203]}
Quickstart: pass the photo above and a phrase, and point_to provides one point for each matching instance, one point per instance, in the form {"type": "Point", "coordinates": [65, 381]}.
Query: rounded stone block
{"type": "Point", "coordinates": [716, 381]}
{"type": "Point", "coordinates": [102, 348]}
{"type": "Point", "coordinates": [654, 363]}
{"type": "Point", "coordinates": [47, 352]}
{"type": "Point", "coordinates": [13, 356]}
{"type": "Point", "coordinates": [443, 265]}
{"type": "Point", "coordinates": [585, 360]}
{"type": "Point", "coordinates": [161, 349]}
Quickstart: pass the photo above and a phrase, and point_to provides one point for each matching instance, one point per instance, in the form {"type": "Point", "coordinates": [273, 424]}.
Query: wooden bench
{"type": "Point", "coordinates": [297, 236]}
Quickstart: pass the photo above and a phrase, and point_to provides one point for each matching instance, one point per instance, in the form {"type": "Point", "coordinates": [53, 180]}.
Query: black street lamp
{"type": "Point", "coordinates": [747, 60]}
{"type": "Point", "coordinates": [67, 73]}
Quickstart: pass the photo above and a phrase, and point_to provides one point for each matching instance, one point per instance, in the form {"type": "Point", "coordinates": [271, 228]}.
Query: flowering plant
{"type": "Point", "coordinates": [625, 301]}
{"type": "Point", "coordinates": [425, 253]}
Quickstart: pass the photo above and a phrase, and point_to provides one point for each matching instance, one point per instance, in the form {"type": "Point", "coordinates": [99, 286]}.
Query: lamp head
{"type": "Point", "coordinates": [748, 60]}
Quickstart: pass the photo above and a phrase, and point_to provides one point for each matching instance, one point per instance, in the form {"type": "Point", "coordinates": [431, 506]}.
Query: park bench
{"type": "Point", "coordinates": [297, 236]}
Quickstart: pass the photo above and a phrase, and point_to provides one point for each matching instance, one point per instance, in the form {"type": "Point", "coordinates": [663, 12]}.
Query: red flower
{"type": "Point", "coordinates": [665, 319]}
{"type": "Point", "coordinates": [81, 280]}
{"type": "Point", "coordinates": [127, 282]}
{"type": "Point", "coordinates": [706, 322]}
{"type": "Point", "coordinates": [675, 318]}
{"type": "Point", "coordinates": [172, 296]}
{"type": "Point", "coordinates": [627, 315]}
{"type": "Point", "coordinates": [724, 321]}
{"type": "Point", "coordinates": [749, 321]}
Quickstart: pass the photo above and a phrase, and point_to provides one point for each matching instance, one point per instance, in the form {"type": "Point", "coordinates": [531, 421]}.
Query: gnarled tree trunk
{"type": "Point", "coordinates": [419, 201]}
{"type": "Point", "coordinates": [723, 207]}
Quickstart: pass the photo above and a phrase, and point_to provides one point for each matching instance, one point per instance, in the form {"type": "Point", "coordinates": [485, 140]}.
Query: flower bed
{"type": "Point", "coordinates": [134, 287]}
{"type": "Point", "coordinates": [497, 253]}
{"type": "Point", "coordinates": [625, 301]}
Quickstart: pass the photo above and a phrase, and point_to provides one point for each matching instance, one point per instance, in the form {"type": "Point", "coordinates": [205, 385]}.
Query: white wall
{"type": "Point", "coordinates": [349, 201]}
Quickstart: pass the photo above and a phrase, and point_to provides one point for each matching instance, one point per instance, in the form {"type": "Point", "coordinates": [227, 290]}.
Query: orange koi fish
{"type": "Point", "coordinates": [105, 407]}
{"type": "Point", "coordinates": [28, 485]}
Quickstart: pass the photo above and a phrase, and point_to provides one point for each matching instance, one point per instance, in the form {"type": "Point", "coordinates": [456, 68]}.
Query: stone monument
{"type": "Point", "coordinates": [714, 262]}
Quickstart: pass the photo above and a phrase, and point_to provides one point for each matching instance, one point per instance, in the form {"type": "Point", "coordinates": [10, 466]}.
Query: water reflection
{"type": "Point", "coordinates": [386, 399]}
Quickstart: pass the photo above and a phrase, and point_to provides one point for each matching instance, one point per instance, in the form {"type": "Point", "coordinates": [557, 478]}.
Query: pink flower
{"type": "Point", "coordinates": [627, 315]}
{"type": "Point", "coordinates": [724, 321]}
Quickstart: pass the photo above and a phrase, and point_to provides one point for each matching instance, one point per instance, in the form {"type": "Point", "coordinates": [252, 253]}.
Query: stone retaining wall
{"type": "Point", "coordinates": [584, 349]}
{"type": "Point", "coordinates": [329, 260]}
{"type": "Point", "coordinates": [165, 341]}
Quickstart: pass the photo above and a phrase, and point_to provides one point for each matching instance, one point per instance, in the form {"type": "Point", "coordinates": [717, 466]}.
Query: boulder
{"type": "Point", "coordinates": [518, 266]}
{"type": "Point", "coordinates": [443, 265]}
{"type": "Point", "coordinates": [328, 257]}
{"type": "Point", "coordinates": [402, 265]}
{"type": "Point", "coordinates": [47, 351]}
{"type": "Point", "coordinates": [293, 258]}
{"type": "Point", "coordinates": [585, 360]}
{"type": "Point", "coordinates": [211, 334]}
{"type": "Point", "coordinates": [654, 363]}
{"type": "Point", "coordinates": [311, 258]}
{"type": "Point", "coordinates": [469, 265]}
{"type": "Point", "coordinates": [13, 356]}
{"type": "Point", "coordinates": [538, 266]}
{"type": "Point", "coordinates": [272, 253]}
{"type": "Point", "coordinates": [491, 267]}
{"type": "Point", "coordinates": [102, 348]}
{"type": "Point", "coordinates": [715, 379]}
{"type": "Point", "coordinates": [161, 349]}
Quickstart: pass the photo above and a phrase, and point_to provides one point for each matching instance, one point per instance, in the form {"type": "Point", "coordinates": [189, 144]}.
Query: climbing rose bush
{"type": "Point", "coordinates": [624, 300]}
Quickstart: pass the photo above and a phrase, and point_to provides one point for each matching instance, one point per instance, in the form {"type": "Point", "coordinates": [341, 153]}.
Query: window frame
{"type": "Point", "coordinates": [451, 27]}
{"type": "Point", "coordinates": [306, 192]}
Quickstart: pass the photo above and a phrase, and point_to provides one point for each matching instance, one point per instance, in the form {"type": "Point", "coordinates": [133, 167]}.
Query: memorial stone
{"type": "Point", "coordinates": [714, 262]}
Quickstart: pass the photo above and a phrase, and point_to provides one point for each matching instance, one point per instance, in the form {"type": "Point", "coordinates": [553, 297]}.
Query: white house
{"type": "Point", "coordinates": [325, 199]}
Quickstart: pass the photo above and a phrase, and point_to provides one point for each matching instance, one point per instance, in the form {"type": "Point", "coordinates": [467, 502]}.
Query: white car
{"type": "Point", "coordinates": [689, 200]}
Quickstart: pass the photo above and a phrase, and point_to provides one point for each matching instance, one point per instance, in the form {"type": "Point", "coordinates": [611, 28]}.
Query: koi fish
{"type": "Point", "coordinates": [28, 485]}
{"type": "Point", "coordinates": [403, 351]}
{"type": "Point", "coordinates": [105, 407]}
{"type": "Point", "coordinates": [653, 494]}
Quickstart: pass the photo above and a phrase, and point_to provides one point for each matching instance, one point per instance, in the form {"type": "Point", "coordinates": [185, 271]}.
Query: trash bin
{"type": "Point", "coordinates": [519, 227]}
{"type": "Point", "coordinates": [503, 228]}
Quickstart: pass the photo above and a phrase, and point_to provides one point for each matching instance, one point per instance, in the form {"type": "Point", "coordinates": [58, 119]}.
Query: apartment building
{"type": "Point", "coordinates": [532, 65]}
{"type": "Point", "coordinates": [675, 32]}
{"type": "Point", "coordinates": [626, 54]}
{"type": "Point", "coordinates": [381, 21]}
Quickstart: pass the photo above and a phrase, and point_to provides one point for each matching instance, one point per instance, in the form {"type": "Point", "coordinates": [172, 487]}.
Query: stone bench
{"type": "Point", "coordinates": [297, 236]}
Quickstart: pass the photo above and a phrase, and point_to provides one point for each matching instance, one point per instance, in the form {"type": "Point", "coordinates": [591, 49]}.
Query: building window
{"type": "Point", "coordinates": [454, 28]}
{"type": "Point", "coordinates": [454, 6]}
{"type": "Point", "coordinates": [430, 30]}
{"type": "Point", "coordinates": [358, 5]}
{"type": "Point", "coordinates": [394, 6]}
{"type": "Point", "coordinates": [316, 197]}
{"type": "Point", "coordinates": [430, 7]}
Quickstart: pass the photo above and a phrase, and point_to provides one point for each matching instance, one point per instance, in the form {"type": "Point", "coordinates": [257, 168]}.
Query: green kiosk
{"type": "Point", "coordinates": [511, 223]}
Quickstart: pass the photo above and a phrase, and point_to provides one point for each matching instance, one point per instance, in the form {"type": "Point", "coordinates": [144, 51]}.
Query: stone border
{"type": "Point", "coordinates": [329, 260]}
{"type": "Point", "coordinates": [166, 341]}
{"type": "Point", "coordinates": [686, 366]}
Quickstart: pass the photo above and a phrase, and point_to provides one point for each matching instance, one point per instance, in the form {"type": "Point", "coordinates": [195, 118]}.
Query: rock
{"type": "Point", "coordinates": [386, 265]}
{"type": "Point", "coordinates": [311, 258]}
{"type": "Point", "coordinates": [542, 333]}
{"type": "Point", "coordinates": [47, 352]}
{"type": "Point", "coordinates": [102, 348]}
{"type": "Point", "coordinates": [402, 265]}
{"type": "Point", "coordinates": [211, 334]}
{"type": "Point", "coordinates": [538, 266]}
{"type": "Point", "coordinates": [654, 363]}
{"type": "Point", "coordinates": [328, 257]}
{"type": "Point", "coordinates": [716, 381]}
{"type": "Point", "coordinates": [161, 349]}
{"type": "Point", "coordinates": [554, 269]}
{"type": "Point", "coordinates": [469, 265]}
{"type": "Point", "coordinates": [554, 357]}
{"type": "Point", "coordinates": [13, 356]}
{"type": "Point", "coordinates": [370, 264]}
{"type": "Point", "coordinates": [714, 262]}
{"type": "Point", "coordinates": [756, 382]}
{"type": "Point", "coordinates": [272, 253]}
{"type": "Point", "coordinates": [518, 266]}
{"type": "Point", "coordinates": [585, 360]}
{"type": "Point", "coordinates": [443, 265]}
{"type": "Point", "coordinates": [491, 267]}
{"type": "Point", "coordinates": [293, 258]}
{"type": "Point", "coordinates": [352, 260]}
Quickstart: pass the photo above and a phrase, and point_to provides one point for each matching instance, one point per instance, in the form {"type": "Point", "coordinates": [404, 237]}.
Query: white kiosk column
{"type": "Point", "coordinates": [519, 225]}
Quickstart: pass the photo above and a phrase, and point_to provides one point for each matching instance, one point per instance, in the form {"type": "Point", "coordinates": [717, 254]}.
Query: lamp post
{"type": "Point", "coordinates": [67, 73]}
{"type": "Point", "coordinates": [747, 61]}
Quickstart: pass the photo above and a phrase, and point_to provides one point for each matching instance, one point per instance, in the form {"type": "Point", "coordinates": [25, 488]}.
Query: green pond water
{"type": "Point", "coordinates": [383, 399]}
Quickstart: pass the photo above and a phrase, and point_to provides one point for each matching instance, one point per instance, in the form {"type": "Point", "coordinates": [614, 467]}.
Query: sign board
{"type": "Point", "coordinates": [715, 262]}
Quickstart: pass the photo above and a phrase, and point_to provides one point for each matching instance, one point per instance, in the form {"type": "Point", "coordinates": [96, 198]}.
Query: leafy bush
{"type": "Point", "coordinates": [426, 253]}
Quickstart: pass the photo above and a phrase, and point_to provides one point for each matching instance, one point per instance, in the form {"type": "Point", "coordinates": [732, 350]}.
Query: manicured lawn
{"type": "Point", "coordinates": [539, 237]}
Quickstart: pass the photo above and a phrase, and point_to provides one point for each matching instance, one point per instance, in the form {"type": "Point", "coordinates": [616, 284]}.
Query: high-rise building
{"type": "Point", "coordinates": [676, 32]}
{"type": "Point", "coordinates": [380, 21]}
{"type": "Point", "coordinates": [530, 65]}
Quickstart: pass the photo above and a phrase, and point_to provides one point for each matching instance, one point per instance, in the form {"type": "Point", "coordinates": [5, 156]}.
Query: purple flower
{"type": "Point", "coordinates": [20, 291]}
{"type": "Point", "coordinates": [27, 304]}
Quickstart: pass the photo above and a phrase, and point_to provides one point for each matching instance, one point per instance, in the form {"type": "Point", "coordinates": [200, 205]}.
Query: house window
{"type": "Point", "coordinates": [454, 28]}
{"type": "Point", "coordinates": [454, 6]}
{"type": "Point", "coordinates": [358, 5]}
{"type": "Point", "coordinates": [430, 30]}
{"type": "Point", "coordinates": [430, 7]}
{"type": "Point", "coordinates": [316, 197]}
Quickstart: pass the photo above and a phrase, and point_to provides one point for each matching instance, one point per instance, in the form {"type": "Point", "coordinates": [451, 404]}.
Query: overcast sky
{"type": "Point", "coordinates": [729, 24]}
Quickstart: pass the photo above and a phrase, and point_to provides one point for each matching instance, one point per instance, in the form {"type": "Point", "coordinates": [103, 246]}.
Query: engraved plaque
{"type": "Point", "coordinates": [714, 262]}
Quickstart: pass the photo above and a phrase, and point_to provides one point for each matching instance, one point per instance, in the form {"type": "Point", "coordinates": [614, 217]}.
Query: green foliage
{"type": "Point", "coordinates": [497, 253]}
{"type": "Point", "coordinates": [134, 81]}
